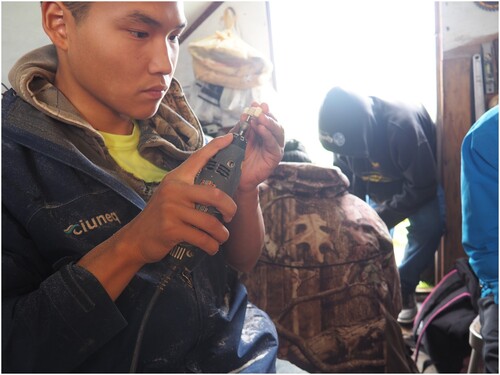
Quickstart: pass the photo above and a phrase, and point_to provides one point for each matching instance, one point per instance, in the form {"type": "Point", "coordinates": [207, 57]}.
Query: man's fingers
{"type": "Point", "coordinates": [201, 157]}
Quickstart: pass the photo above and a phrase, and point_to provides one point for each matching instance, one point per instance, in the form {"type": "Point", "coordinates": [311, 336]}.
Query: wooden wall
{"type": "Point", "coordinates": [456, 120]}
{"type": "Point", "coordinates": [455, 117]}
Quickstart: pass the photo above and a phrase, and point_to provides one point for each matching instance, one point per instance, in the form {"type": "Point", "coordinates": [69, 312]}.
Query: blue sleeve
{"type": "Point", "coordinates": [479, 189]}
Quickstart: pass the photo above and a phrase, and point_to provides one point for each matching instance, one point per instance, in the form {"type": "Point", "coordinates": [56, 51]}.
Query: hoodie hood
{"type": "Point", "coordinates": [346, 123]}
{"type": "Point", "coordinates": [174, 131]}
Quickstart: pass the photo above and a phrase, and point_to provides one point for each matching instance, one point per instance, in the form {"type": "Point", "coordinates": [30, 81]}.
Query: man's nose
{"type": "Point", "coordinates": [162, 60]}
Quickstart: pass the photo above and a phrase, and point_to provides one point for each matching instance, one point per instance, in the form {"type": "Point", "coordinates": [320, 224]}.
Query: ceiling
{"type": "Point", "coordinates": [194, 9]}
{"type": "Point", "coordinates": [196, 12]}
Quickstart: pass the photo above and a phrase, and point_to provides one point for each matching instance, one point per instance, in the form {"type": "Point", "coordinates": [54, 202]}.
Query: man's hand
{"type": "Point", "coordinates": [264, 151]}
{"type": "Point", "coordinates": [266, 140]}
{"type": "Point", "coordinates": [169, 218]}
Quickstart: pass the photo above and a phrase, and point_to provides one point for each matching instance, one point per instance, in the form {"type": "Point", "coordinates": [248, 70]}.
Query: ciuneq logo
{"type": "Point", "coordinates": [84, 226]}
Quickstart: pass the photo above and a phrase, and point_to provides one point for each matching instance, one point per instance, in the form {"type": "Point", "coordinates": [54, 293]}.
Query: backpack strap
{"type": "Point", "coordinates": [428, 301]}
{"type": "Point", "coordinates": [463, 294]}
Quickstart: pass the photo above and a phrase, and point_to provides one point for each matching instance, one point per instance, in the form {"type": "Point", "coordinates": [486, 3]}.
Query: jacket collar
{"type": "Point", "coordinates": [24, 125]}
{"type": "Point", "coordinates": [174, 130]}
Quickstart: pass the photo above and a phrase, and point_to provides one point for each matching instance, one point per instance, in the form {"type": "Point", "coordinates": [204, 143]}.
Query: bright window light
{"type": "Point", "coordinates": [380, 48]}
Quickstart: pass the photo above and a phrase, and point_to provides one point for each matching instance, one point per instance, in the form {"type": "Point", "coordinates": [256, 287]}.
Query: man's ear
{"type": "Point", "coordinates": [54, 21]}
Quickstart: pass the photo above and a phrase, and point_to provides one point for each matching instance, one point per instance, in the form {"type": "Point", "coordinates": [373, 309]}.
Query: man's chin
{"type": "Point", "coordinates": [146, 114]}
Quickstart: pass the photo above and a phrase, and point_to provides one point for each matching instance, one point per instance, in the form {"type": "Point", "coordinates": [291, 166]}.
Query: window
{"type": "Point", "coordinates": [380, 48]}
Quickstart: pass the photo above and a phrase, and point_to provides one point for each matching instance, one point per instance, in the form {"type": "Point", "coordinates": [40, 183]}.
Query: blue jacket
{"type": "Point", "coordinates": [479, 186]}
{"type": "Point", "coordinates": [56, 317]}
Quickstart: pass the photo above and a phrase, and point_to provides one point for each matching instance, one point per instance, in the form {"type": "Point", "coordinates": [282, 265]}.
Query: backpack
{"type": "Point", "coordinates": [441, 327]}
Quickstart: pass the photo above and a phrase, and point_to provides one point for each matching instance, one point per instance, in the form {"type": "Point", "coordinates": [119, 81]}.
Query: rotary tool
{"type": "Point", "coordinates": [222, 171]}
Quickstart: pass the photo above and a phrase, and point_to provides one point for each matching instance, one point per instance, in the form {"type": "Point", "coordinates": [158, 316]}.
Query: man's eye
{"type": "Point", "coordinates": [173, 38]}
{"type": "Point", "coordinates": [138, 34]}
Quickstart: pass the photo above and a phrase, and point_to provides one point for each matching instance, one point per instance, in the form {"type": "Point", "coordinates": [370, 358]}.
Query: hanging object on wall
{"type": "Point", "coordinates": [229, 75]}
{"type": "Point", "coordinates": [225, 59]}
{"type": "Point", "coordinates": [487, 5]}
{"type": "Point", "coordinates": [478, 86]}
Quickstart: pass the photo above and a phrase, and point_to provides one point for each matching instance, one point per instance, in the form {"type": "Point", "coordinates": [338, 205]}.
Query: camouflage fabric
{"type": "Point", "coordinates": [327, 275]}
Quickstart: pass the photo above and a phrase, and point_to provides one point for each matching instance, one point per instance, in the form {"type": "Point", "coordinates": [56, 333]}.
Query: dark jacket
{"type": "Point", "coordinates": [57, 204]}
{"type": "Point", "coordinates": [393, 155]}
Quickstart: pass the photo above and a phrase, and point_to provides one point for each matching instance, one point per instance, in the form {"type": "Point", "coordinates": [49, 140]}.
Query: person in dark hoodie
{"type": "Point", "coordinates": [388, 151]}
{"type": "Point", "coordinates": [99, 154]}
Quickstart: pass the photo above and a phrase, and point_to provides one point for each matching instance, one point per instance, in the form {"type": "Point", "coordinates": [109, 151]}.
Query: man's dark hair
{"type": "Point", "coordinates": [78, 9]}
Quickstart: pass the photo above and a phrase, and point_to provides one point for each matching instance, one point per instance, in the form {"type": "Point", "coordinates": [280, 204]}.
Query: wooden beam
{"type": "Point", "coordinates": [197, 22]}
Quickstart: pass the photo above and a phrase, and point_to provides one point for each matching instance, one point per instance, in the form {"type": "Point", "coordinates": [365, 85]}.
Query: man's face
{"type": "Point", "coordinates": [121, 57]}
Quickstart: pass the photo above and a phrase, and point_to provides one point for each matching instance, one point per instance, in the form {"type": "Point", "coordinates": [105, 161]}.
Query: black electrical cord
{"type": "Point", "coordinates": [165, 280]}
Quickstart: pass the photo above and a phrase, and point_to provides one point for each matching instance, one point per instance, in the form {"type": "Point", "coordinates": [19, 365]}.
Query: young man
{"type": "Point", "coordinates": [388, 151]}
{"type": "Point", "coordinates": [100, 151]}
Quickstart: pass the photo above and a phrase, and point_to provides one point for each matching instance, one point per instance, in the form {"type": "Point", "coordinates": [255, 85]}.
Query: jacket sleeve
{"type": "Point", "coordinates": [49, 324]}
{"type": "Point", "coordinates": [413, 155]}
{"type": "Point", "coordinates": [479, 188]}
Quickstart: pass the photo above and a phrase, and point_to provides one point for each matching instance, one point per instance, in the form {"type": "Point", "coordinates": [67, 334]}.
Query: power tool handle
{"type": "Point", "coordinates": [222, 171]}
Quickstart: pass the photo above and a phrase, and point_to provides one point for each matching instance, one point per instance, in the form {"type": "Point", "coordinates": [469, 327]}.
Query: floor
{"type": "Point", "coordinates": [423, 358]}
{"type": "Point", "coordinates": [399, 240]}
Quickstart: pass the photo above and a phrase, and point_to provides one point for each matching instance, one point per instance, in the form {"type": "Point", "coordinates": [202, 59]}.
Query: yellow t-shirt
{"type": "Point", "coordinates": [123, 148]}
